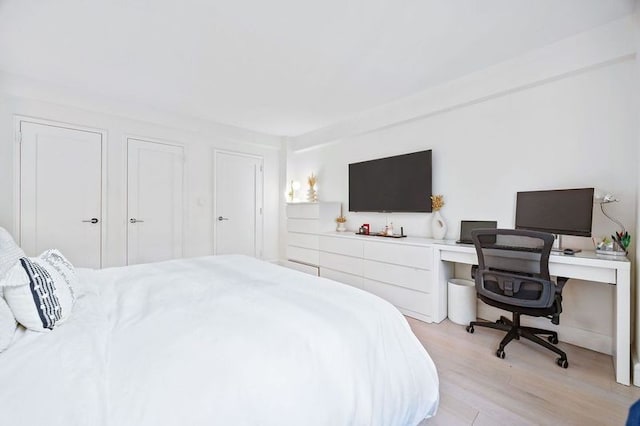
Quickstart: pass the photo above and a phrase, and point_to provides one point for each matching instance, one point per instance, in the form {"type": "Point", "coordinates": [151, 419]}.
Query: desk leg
{"type": "Point", "coordinates": [622, 359]}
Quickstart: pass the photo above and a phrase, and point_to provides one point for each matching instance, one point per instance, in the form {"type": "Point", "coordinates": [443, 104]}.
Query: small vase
{"type": "Point", "coordinates": [312, 195]}
{"type": "Point", "coordinates": [438, 226]}
{"type": "Point", "coordinates": [341, 227]}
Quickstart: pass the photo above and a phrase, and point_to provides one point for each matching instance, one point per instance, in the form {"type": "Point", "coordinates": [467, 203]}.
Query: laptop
{"type": "Point", "coordinates": [466, 226]}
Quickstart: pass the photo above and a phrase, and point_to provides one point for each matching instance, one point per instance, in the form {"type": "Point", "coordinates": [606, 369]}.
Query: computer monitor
{"type": "Point", "coordinates": [564, 212]}
{"type": "Point", "coordinates": [466, 226]}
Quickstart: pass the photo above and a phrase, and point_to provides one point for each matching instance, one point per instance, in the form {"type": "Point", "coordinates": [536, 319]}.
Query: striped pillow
{"type": "Point", "coordinates": [39, 290]}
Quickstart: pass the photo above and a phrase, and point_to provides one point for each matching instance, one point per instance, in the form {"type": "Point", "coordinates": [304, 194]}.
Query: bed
{"type": "Point", "coordinates": [221, 340]}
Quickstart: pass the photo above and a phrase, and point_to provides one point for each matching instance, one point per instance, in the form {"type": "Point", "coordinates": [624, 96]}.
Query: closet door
{"type": "Point", "coordinates": [155, 201]}
{"type": "Point", "coordinates": [61, 192]}
{"type": "Point", "coordinates": [238, 204]}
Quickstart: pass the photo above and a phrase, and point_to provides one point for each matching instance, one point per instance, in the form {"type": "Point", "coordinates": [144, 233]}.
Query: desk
{"type": "Point", "coordinates": [413, 272]}
{"type": "Point", "coordinates": [584, 265]}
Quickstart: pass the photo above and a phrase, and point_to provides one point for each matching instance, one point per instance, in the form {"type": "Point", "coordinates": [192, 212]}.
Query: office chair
{"type": "Point", "coordinates": [513, 274]}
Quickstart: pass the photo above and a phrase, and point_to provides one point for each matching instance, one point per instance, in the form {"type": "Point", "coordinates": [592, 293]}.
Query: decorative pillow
{"type": "Point", "coordinates": [39, 290]}
{"type": "Point", "coordinates": [9, 252]}
{"type": "Point", "coordinates": [7, 325]}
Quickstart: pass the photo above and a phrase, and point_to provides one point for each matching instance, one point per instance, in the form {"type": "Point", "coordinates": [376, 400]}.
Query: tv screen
{"type": "Point", "coordinates": [394, 184]}
{"type": "Point", "coordinates": [564, 211]}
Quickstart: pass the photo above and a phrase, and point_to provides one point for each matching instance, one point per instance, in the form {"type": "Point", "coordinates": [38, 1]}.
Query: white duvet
{"type": "Point", "coordinates": [225, 340]}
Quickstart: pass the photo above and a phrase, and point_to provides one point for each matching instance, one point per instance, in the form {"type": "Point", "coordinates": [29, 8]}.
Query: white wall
{"type": "Point", "coordinates": [32, 99]}
{"type": "Point", "coordinates": [561, 117]}
{"type": "Point", "coordinates": [570, 133]}
{"type": "Point", "coordinates": [635, 360]}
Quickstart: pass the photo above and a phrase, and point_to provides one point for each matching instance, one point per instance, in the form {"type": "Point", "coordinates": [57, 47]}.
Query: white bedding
{"type": "Point", "coordinates": [226, 340]}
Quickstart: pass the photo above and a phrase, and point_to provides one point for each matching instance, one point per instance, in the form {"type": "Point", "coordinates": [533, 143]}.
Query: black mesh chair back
{"type": "Point", "coordinates": [513, 267]}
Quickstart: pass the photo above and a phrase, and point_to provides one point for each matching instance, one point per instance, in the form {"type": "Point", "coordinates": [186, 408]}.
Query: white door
{"type": "Point", "coordinates": [61, 192]}
{"type": "Point", "coordinates": [238, 204]}
{"type": "Point", "coordinates": [155, 201]}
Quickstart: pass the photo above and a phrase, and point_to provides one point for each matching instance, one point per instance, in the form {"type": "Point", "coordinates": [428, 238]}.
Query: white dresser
{"type": "Point", "coordinates": [305, 221]}
{"type": "Point", "coordinates": [398, 270]}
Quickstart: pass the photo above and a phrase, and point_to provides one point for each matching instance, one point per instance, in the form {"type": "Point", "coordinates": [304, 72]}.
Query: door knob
{"type": "Point", "coordinates": [134, 220]}
{"type": "Point", "coordinates": [220, 218]}
{"type": "Point", "coordinates": [92, 220]}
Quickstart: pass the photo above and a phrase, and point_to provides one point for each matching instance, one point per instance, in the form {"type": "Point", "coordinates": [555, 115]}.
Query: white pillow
{"type": "Point", "coordinates": [39, 290]}
{"type": "Point", "coordinates": [9, 252]}
{"type": "Point", "coordinates": [7, 325]}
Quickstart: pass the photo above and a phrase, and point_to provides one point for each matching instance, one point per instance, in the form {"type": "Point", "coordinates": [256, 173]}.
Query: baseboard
{"type": "Point", "coordinates": [421, 317]}
{"type": "Point", "coordinates": [635, 364]}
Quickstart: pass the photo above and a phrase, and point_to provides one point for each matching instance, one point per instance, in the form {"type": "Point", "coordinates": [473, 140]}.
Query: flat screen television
{"type": "Point", "coordinates": [393, 184]}
{"type": "Point", "coordinates": [564, 211]}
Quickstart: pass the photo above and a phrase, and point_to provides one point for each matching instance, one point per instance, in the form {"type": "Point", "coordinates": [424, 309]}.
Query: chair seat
{"type": "Point", "coordinates": [534, 312]}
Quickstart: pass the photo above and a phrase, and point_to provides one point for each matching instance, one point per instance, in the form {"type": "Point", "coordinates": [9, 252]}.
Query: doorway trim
{"type": "Point", "coordinates": [259, 236]}
{"type": "Point", "coordinates": [17, 173]}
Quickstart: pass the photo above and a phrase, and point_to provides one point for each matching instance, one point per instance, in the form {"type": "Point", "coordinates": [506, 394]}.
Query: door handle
{"type": "Point", "coordinates": [220, 218]}
{"type": "Point", "coordinates": [92, 220]}
{"type": "Point", "coordinates": [134, 220]}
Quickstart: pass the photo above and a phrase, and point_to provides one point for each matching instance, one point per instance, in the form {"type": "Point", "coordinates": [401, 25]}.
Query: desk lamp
{"type": "Point", "coordinates": [621, 240]}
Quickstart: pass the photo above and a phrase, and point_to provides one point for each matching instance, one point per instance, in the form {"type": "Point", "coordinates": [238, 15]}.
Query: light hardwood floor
{"type": "Point", "coordinates": [525, 388]}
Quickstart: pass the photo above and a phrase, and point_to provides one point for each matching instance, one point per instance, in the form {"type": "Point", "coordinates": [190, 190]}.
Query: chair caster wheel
{"type": "Point", "coordinates": [562, 362]}
{"type": "Point", "coordinates": [553, 339]}
{"type": "Point", "coordinates": [500, 353]}
{"type": "Point", "coordinates": [470, 329]}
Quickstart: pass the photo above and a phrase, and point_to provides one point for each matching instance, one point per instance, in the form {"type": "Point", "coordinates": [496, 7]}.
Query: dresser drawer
{"type": "Point", "coordinates": [303, 210]}
{"type": "Point", "coordinates": [346, 246]}
{"type": "Point", "coordinates": [307, 226]}
{"type": "Point", "coordinates": [406, 255]}
{"type": "Point", "coordinates": [404, 276]}
{"type": "Point", "coordinates": [297, 239]}
{"type": "Point", "coordinates": [412, 300]}
{"type": "Point", "coordinates": [303, 255]}
{"type": "Point", "coordinates": [341, 277]}
{"type": "Point", "coordinates": [302, 267]}
{"type": "Point", "coordinates": [339, 262]}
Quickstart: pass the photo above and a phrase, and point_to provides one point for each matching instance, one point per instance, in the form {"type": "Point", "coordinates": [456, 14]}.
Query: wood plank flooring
{"type": "Point", "coordinates": [525, 388]}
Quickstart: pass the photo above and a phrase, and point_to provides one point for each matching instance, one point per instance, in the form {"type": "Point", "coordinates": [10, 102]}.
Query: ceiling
{"type": "Point", "coordinates": [283, 67]}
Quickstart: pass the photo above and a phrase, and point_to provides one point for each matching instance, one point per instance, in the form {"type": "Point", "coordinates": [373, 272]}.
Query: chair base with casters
{"type": "Point", "coordinates": [515, 331]}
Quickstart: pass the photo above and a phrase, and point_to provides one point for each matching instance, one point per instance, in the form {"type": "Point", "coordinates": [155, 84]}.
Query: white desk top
{"type": "Point", "coordinates": [585, 258]}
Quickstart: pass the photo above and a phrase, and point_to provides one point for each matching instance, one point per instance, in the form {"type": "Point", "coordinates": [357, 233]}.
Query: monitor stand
{"type": "Point", "coordinates": [558, 247]}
